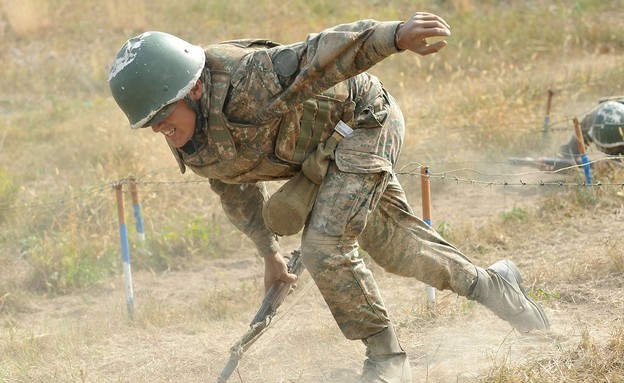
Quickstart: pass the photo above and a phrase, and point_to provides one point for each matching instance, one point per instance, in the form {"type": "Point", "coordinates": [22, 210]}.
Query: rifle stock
{"type": "Point", "coordinates": [261, 321]}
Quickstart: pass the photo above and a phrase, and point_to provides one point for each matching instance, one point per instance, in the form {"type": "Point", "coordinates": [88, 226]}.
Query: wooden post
{"type": "Point", "coordinates": [547, 116]}
{"type": "Point", "coordinates": [426, 207]}
{"type": "Point", "coordinates": [138, 218]}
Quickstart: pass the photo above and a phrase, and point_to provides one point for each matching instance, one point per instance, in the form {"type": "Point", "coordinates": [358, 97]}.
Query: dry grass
{"type": "Point", "coordinates": [64, 143]}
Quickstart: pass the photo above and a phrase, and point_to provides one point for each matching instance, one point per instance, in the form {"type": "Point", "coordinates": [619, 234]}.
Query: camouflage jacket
{"type": "Point", "coordinates": [269, 105]}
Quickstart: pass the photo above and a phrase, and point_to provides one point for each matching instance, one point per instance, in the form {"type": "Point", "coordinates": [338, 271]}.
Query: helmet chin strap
{"type": "Point", "coordinates": [193, 144]}
{"type": "Point", "coordinates": [200, 119]}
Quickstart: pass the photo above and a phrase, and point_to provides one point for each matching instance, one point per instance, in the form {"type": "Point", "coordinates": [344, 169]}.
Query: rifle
{"type": "Point", "coordinates": [545, 163]}
{"type": "Point", "coordinates": [261, 321]}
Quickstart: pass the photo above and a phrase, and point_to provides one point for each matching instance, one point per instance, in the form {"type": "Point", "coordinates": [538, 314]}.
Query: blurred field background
{"type": "Point", "coordinates": [64, 144]}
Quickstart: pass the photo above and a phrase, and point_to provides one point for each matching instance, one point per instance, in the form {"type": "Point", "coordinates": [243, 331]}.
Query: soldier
{"type": "Point", "coordinates": [248, 111]}
{"type": "Point", "coordinates": [603, 126]}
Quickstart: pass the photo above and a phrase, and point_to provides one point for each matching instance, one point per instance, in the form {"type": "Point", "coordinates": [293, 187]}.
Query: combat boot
{"type": "Point", "coordinates": [498, 288]}
{"type": "Point", "coordinates": [386, 361]}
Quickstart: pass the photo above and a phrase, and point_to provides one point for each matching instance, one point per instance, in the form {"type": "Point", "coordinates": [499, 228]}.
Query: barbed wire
{"type": "Point", "coordinates": [51, 201]}
{"type": "Point", "coordinates": [485, 178]}
{"type": "Point", "coordinates": [73, 196]}
{"type": "Point", "coordinates": [534, 162]}
{"type": "Point", "coordinates": [519, 182]}
{"type": "Point", "coordinates": [448, 175]}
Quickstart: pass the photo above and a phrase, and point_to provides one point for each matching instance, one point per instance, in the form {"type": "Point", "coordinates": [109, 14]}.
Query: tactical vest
{"type": "Point", "coordinates": [271, 150]}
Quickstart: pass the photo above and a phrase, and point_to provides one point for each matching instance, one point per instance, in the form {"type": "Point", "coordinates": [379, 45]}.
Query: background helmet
{"type": "Point", "coordinates": [607, 128]}
{"type": "Point", "coordinates": [151, 71]}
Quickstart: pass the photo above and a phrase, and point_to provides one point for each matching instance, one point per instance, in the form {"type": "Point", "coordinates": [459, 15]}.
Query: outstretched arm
{"type": "Point", "coordinates": [336, 54]}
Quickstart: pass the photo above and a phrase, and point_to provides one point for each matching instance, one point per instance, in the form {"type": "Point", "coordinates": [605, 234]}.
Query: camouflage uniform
{"type": "Point", "coordinates": [265, 108]}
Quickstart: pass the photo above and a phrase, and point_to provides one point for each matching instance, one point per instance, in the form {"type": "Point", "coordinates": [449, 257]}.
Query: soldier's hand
{"type": "Point", "coordinates": [276, 269]}
{"type": "Point", "coordinates": [413, 34]}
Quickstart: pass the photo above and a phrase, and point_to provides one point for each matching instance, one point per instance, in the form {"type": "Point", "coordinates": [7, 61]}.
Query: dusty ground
{"type": "Point", "coordinates": [455, 342]}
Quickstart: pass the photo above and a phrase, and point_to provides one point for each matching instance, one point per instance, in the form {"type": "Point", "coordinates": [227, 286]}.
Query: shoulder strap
{"type": "Point", "coordinates": [222, 59]}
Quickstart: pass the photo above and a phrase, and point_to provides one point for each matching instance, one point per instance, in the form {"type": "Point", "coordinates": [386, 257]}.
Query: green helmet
{"type": "Point", "coordinates": [152, 71]}
{"type": "Point", "coordinates": [607, 127]}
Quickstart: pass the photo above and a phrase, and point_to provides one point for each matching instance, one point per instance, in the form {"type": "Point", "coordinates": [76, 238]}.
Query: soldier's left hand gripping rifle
{"type": "Point", "coordinates": [261, 321]}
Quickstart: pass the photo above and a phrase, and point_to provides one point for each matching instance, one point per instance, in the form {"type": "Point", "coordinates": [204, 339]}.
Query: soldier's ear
{"type": "Point", "coordinates": [196, 92]}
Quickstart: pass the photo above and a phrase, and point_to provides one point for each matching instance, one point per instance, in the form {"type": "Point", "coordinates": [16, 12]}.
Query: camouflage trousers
{"type": "Point", "coordinates": [369, 209]}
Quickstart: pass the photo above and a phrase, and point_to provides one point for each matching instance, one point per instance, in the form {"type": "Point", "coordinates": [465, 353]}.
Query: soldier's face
{"type": "Point", "coordinates": [179, 126]}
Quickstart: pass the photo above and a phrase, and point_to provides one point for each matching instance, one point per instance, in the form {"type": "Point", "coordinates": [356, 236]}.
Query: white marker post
{"type": "Point", "coordinates": [125, 252]}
